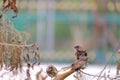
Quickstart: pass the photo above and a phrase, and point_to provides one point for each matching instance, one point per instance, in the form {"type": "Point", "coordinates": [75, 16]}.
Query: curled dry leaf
{"type": "Point", "coordinates": [118, 51]}
{"type": "Point", "coordinates": [40, 76]}
{"type": "Point", "coordinates": [11, 4]}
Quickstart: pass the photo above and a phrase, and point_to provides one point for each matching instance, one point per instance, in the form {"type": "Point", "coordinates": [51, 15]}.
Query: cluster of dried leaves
{"type": "Point", "coordinates": [14, 48]}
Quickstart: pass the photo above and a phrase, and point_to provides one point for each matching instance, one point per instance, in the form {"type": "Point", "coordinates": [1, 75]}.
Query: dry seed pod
{"type": "Point", "coordinates": [118, 51]}
{"type": "Point", "coordinates": [15, 60]}
{"type": "Point", "coordinates": [28, 57]}
{"type": "Point", "coordinates": [25, 59]}
{"type": "Point", "coordinates": [38, 59]}
{"type": "Point", "coordinates": [1, 56]}
{"type": "Point", "coordinates": [12, 40]}
{"type": "Point", "coordinates": [118, 67]}
{"type": "Point", "coordinates": [51, 71]}
{"type": "Point", "coordinates": [28, 75]}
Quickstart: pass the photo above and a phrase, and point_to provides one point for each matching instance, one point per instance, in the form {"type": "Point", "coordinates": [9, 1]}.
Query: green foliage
{"type": "Point", "coordinates": [62, 31]}
{"type": "Point", "coordinates": [23, 20]}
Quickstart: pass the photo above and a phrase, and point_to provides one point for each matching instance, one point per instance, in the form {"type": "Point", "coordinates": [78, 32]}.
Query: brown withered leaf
{"type": "Point", "coordinates": [38, 59]}
{"type": "Point", "coordinates": [11, 4]}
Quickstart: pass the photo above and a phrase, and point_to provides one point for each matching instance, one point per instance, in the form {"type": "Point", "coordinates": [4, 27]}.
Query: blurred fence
{"type": "Point", "coordinates": [57, 25]}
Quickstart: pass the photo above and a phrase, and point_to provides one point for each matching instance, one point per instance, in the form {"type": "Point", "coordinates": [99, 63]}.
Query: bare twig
{"type": "Point", "coordinates": [7, 44]}
{"type": "Point", "coordinates": [95, 75]}
{"type": "Point", "coordinates": [105, 67]}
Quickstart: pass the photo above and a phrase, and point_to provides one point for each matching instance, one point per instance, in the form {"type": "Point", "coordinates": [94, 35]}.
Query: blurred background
{"type": "Point", "coordinates": [58, 25]}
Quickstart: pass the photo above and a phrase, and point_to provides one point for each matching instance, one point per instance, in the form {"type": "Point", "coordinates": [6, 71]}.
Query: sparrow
{"type": "Point", "coordinates": [80, 52]}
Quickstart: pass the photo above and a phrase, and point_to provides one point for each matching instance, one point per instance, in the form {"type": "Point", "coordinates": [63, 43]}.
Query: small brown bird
{"type": "Point", "coordinates": [51, 71]}
{"type": "Point", "coordinates": [80, 52]}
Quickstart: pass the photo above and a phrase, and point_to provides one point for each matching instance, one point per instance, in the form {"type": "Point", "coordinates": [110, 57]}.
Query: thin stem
{"type": "Point", "coordinates": [97, 75]}
{"type": "Point", "coordinates": [6, 44]}
{"type": "Point", "coordinates": [104, 67]}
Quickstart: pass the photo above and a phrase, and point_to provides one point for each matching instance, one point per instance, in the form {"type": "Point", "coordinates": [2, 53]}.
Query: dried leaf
{"type": "Point", "coordinates": [11, 4]}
